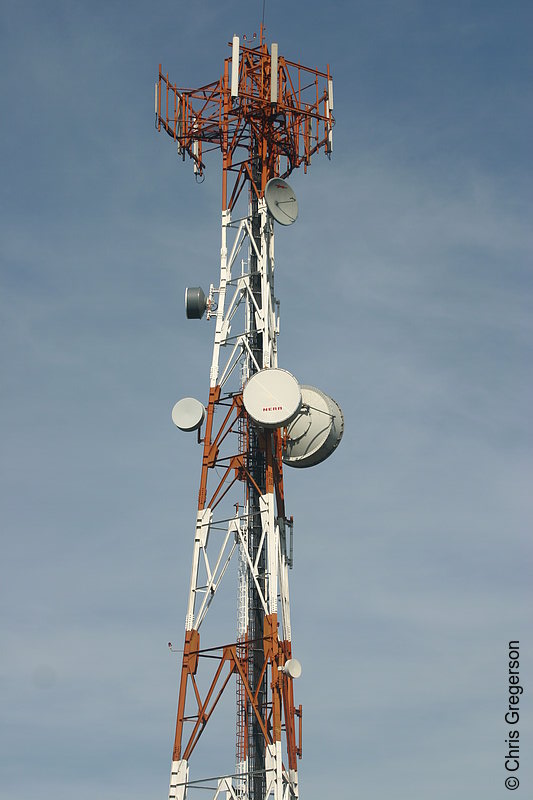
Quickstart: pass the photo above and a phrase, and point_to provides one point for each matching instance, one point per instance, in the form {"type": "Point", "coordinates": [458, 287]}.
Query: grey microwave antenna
{"type": "Point", "coordinates": [195, 302]}
{"type": "Point", "coordinates": [315, 432]}
{"type": "Point", "coordinates": [281, 201]}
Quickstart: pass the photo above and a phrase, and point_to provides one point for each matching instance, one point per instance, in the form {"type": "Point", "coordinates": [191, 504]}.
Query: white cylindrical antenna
{"type": "Point", "coordinates": [155, 101]}
{"type": "Point", "coordinates": [330, 94]}
{"type": "Point", "coordinates": [235, 67]}
{"type": "Point", "coordinates": [195, 150]}
{"type": "Point", "coordinates": [274, 73]}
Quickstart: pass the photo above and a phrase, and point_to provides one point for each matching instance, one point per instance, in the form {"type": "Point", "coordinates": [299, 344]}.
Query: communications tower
{"type": "Point", "coordinates": [267, 116]}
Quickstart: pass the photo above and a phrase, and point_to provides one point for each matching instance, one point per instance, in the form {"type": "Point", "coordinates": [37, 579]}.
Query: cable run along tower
{"type": "Point", "coordinates": [267, 116]}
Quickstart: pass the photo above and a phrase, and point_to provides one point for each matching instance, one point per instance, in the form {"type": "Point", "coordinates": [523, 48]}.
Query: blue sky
{"type": "Point", "coordinates": [405, 293]}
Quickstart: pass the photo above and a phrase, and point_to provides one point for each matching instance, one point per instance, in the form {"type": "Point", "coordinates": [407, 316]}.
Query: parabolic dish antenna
{"type": "Point", "coordinates": [281, 201]}
{"type": "Point", "coordinates": [315, 432]}
{"type": "Point", "coordinates": [188, 414]}
{"type": "Point", "coordinates": [272, 397]}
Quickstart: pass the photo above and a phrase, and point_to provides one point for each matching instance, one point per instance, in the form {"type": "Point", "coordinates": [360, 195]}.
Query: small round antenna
{"type": "Point", "coordinates": [281, 201]}
{"type": "Point", "coordinates": [188, 414]}
{"type": "Point", "coordinates": [292, 668]}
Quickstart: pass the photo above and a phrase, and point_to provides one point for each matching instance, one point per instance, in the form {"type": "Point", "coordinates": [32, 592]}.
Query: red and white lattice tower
{"type": "Point", "coordinates": [267, 116]}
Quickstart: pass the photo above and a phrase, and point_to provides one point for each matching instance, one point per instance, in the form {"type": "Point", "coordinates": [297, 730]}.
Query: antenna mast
{"type": "Point", "coordinates": [267, 116]}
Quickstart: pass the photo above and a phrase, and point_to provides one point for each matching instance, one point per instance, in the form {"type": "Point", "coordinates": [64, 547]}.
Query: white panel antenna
{"type": "Point", "coordinates": [329, 109]}
{"type": "Point", "coordinates": [329, 147]}
{"type": "Point", "coordinates": [274, 73]}
{"type": "Point", "coordinates": [330, 94]}
{"type": "Point", "coordinates": [235, 67]}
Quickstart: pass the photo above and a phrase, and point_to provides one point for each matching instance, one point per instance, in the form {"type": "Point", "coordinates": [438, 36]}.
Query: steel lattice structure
{"type": "Point", "coordinates": [267, 116]}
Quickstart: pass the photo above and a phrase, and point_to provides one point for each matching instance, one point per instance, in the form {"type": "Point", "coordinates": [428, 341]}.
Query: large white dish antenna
{"type": "Point", "coordinates": [281, 201]}
{"type": "Point", "coordinates": [316, 431]}
{"type": "Point", "coordinates": [188, 414]}
{"type": "Point", "coordinates": [272, 397]}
